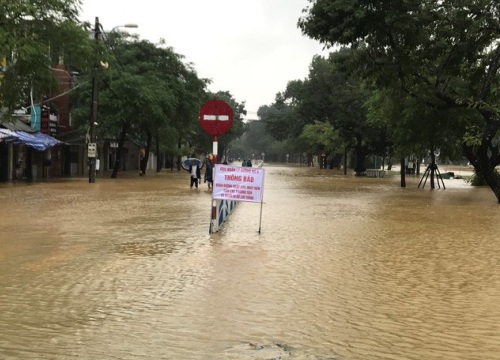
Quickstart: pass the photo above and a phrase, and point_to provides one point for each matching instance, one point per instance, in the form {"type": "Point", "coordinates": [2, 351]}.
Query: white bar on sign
{"type": "Point", "coordinates": [216, 117]}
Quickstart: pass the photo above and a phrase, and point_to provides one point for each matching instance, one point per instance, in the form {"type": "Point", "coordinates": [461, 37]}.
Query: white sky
{"type": "Point", "coordinates": [251, 48]}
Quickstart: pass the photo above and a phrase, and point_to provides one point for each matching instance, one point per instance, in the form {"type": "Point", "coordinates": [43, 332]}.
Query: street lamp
{"type": "Point", "coordinates": [92, 145]}
{"type": "Point", "coordinates": [130, 25]}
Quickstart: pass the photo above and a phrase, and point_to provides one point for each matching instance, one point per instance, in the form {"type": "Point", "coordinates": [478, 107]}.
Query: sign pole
{"type": "Point", "coordinates": [260, 219]}
{"type": "Point", "coordinates": [261, 201]}
{"type": "Point", "coordinates": [215, 149]}
{"type": "Point", "coordinates": [214, 202]}
{"type": "Point", "coordinates": [216, 118]}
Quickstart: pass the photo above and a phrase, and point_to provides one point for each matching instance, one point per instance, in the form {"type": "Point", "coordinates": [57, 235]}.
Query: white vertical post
{"type": "Point", "coordinates": [214, 202]}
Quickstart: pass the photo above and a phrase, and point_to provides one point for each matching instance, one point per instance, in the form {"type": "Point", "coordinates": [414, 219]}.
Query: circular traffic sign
{"type": "Point", "coordinates": [216, 117]}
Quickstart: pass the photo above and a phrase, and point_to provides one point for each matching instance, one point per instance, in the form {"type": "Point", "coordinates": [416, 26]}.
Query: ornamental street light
{"type": "Point", "coordinates": [92, 144]}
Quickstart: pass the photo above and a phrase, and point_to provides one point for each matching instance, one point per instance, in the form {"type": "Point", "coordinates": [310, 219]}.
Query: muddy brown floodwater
{"type": "Point", "coordinates": [344, 268]}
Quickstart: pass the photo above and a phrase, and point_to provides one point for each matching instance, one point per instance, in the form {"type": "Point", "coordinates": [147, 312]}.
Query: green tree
{"type": "Point", "coordinates": [172, 88]}
{"type": "Point", "coordinates": [320, 137]}
{"type": "Point", "coordinates": [255, 141]}
{"type": "Point", "coordinates": [191, 94]}
{"type": "Point", "coordinates": [414, 131]}
{"type": "Point", "coordinates": [281, 119]}
{"type": "Point", "coordinates": [283, 122]}
{"type": "Point", "coordinates": [337, 94]}
{"type": "Point", "coordinates": [147, 92]}
{"type": "Point", "coordinates": [33, 36]}
{"type": "Point", "coordinates": [444, 54]}
{"type": "Point", "coordinates": [332, 93]}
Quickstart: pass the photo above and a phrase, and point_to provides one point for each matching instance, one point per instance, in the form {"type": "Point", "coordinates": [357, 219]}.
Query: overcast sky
{"type": "Point", "coordinates": [251, 48]}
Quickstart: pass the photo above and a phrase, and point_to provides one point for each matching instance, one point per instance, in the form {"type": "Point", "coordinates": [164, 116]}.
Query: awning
{"type": "Point", "coordinates": [6, 134]}
{"type": "Point", "coordinates": [17, 125]}
{"type": "Point", "coordinates": [38, 141]}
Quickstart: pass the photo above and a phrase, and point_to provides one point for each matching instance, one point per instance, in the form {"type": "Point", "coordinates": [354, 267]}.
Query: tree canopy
{"type": "Point", "coordinates": [33, 37]}
{"type": "Point", "coordinates": [150, 93]}
{"type": "Point", "coordinates": [442, 54]}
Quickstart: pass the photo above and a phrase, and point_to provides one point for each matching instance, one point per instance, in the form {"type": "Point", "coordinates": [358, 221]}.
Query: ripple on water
{"type": "Point", "coordinates": [344, 268]}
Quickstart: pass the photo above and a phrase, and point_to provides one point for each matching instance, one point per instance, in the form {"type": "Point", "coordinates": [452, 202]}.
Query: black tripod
{"type": "Point", "coordinates": [432, 168]}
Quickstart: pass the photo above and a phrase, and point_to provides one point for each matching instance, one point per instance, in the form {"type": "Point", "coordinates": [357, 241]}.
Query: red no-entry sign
{"type": "Point", "coordinates": [216, 117]}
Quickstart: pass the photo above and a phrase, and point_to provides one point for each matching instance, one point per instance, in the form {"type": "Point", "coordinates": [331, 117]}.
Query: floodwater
{"type": "Point", "coordinates": [344, 268]}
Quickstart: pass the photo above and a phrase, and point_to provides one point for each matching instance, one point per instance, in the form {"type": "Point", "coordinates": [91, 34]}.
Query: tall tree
{"type": "Point", "coordinates": [281, 119]}
{"type": "Point", "coordinates": [332, 93]}
{"type": "Point", "coordinates": [416, 131]}
{"type": "Point", "coordinates": [257, 140]}
{"type": "Point", "coordinates": [33, 35]}
{"type": "Point", "coordinates": [147, 92]}
{"type": "Point", "coordinates": [444, 54]}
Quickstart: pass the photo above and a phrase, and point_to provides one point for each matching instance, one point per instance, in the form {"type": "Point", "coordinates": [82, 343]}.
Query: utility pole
{"type": "Point", "coordinates": [92, 145]}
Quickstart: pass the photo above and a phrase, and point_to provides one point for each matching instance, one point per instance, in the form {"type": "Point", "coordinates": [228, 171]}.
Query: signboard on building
{"type": "Point", "coordinates": [35, 117]}
{"type": "Point", "coordinates": [45, 120]}
{"type": "Point", "coordinates": [53, 120]}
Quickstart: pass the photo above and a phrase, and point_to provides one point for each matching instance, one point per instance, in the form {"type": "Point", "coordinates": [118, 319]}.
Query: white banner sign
{"type": "Point", "coordinates": [238, 183]}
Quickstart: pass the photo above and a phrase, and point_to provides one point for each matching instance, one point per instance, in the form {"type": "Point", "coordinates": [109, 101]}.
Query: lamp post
{"type": "Point", "coordinates": [92, 144]}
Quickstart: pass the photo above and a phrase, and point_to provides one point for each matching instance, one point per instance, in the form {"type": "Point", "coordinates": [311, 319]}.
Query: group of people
{"type": "Point", "coordinates": [195, 173]}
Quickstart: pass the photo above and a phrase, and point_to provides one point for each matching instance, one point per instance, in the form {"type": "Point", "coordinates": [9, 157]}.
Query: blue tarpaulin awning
{"type": "Point", "coordinates": [38, 141]}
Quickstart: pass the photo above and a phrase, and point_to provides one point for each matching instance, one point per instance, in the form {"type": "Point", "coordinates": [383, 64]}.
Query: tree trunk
{"type": "Point", "coordinates": [158, 157]}
{"type": "Point", "coordinates": [345, 160]}
{"type": "Point", "coordinates": [389, 164]}
{"type": "Point", "coordinates": [310, 160]}
{"type": "Point", "coordinates": [433, 169]}
{"type": "Point", "coordinates": [336, 161]}
{"type": "Point", "coordinates": [170, 157]}
{"type": "Point", "coordinates": [145, 159]}
{"type": "Point", "coordinates": [403, 173]}
{"type": "Point", "coordinates": [483, 166]}
{"type": "Point", "coordinates": [360, 156]}
{"type": "Point", "coordinates": [119, 152]}
{"type": "Point", "coordinates": [179, 145]}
